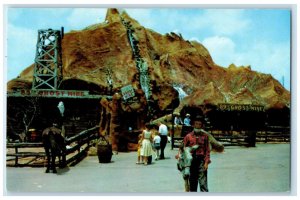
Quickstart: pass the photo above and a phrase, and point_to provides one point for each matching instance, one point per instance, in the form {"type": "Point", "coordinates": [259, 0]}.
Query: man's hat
{"type": "Point", "coordinates": [188, 115]}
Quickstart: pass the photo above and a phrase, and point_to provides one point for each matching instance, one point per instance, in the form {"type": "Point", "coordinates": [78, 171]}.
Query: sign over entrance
{"type": "Point", "coordinates": [50, 93]}
{"type": "Point", "coordinates": [127, 92]}
{"type": "Point", "coordinates": [241, 107]}
{"type": "Point", "coordinates": [55, 94]}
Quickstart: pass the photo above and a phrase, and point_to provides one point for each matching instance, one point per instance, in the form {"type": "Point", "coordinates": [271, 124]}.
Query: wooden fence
{"type": "Point", "coordinates": [77, 147]}
{"type": "Point", "coordinates": [273, 134]}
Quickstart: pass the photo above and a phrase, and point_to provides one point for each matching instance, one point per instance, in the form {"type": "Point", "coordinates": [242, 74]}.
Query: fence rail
{"type": "Point", "coordinates": [80, 143]}
{"type": "Point", "coordinates": [275, 134]}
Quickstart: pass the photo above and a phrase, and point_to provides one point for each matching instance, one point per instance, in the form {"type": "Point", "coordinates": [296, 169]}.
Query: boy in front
{"type": "Point", "coordinates": [201, 156]}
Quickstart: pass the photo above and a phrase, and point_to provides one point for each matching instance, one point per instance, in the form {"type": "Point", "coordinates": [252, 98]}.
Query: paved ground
{"type": "Point", "coordinates": [265, 168]}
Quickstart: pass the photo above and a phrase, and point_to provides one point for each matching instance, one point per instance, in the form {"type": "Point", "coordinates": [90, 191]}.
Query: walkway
{"type": "Point", "coordinates": [265, 168]}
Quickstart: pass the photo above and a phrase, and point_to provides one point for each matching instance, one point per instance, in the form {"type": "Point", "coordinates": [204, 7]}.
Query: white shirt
{"type": "Point", "coordinates": [163, 129]}
{"type": "Point", "coordinates": [156, 139]}
{"type": "Point", "coordinates": [177, 120]}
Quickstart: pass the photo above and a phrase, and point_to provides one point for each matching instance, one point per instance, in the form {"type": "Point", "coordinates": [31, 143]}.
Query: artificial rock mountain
{"type": "Point", "coordinates": [88, 55]}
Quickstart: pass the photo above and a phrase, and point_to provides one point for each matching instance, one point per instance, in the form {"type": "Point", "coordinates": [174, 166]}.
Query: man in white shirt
{"type": "Point", "coordinates": [177, 119]}
{"type": "Point", "coordinates": [163, 132]}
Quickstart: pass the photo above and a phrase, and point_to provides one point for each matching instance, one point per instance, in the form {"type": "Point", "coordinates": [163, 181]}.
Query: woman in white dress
{"type": "Point", "coordinates": [146, 149]}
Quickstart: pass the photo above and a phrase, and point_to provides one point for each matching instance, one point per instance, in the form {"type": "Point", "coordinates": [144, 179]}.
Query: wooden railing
{"type": "Point", "coordinates": [18, 154]}
{"type": "Point", "coordinates": [77, 147]}
{"type": "Point", "coordinates": [272, 134]}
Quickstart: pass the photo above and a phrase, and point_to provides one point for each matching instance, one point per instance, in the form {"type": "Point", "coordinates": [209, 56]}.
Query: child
{"type": "Point", "coordinates": [156, 144]}
{"type": "Point", "coordinates": [139, 148]}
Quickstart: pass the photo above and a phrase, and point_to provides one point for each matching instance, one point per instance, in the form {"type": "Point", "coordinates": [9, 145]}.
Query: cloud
{"type": "Point", "coordinates": [83, 17]}
{"type": "Point", "coordinates": [162, 20]}
{"type": "Point", "coordinates": [271, 58]}
{"type": "Point", "coordinates": [195, 39]}
{"type": "Point", "coordinates": [143, 16]}
{"type": "Point", "coordinates": [194, 22]}
{"type": "Point", "coordinates": [224, 22]}
{"type": "Point", "coordinates": [222, 49]}
{"type": "Point", "coordinates": [263, 56]}
{"type": "Point", "coordinates": [228, 22]}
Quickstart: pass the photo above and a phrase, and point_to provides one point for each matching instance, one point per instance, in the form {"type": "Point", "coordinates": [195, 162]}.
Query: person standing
{"type": "Point", "coordinates": [177, 119]}
{"type": "Point", "coordinates": [146, 149]}
{"type": "Point", "coordinates": [201, 156]}
{"type": "Point", "coordinates": [163, 132]}
{"type": "Point", "coordinates": [140, 137]}
{"type": "Point", "coordinates": [187, 120]}
{"type": "Point", "coordinates": [186, 128]}
{"type": "Point", "coordinates": [156, 145]}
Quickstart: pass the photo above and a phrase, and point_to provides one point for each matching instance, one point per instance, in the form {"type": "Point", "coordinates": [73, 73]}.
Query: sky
{"type": "Point", "coordinates": [256, 37]}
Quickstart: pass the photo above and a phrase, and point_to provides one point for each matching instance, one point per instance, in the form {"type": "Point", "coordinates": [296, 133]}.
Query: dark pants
{"type": "Point", "coordinates": [163, 143]}
{"type": "Point", "coordinates": [197, 174]}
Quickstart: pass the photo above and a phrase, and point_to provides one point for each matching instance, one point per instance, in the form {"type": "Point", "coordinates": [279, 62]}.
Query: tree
{"type": "Point", "coordinates": [21, 114]}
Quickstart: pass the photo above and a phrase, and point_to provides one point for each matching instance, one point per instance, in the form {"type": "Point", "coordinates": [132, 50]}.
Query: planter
{"type": "Point", "coordinates": [104, 150]}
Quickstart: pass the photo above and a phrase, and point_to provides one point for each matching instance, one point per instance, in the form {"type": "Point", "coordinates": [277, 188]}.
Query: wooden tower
{"type": "Point", "coordinates": [47, 73]}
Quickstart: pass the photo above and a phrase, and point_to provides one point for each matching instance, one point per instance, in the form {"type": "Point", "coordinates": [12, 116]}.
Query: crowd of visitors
{"type": "Point", "coordinates": [153, 142]}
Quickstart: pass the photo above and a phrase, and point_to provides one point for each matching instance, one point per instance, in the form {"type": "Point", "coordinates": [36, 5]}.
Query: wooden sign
{"type": "Point", "coordinates": [127, 92]}
{"type": "Point", "coordinates": [241, 107]}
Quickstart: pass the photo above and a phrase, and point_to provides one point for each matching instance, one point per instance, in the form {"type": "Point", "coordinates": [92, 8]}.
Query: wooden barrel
{"type": "Point", "coordinates": [104, 151]}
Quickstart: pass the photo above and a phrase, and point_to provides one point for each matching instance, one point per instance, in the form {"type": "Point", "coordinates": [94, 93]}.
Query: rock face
{"type": "Point", "coordinates": [100, 59]}
{"type": "Point", "coordinates": [89, 54]}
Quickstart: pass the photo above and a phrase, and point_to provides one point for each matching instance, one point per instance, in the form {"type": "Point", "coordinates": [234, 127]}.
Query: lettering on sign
{"type": "Point", "coordinates": [241, 107]}
{"type": "Point", "coordinates": [51, 93]}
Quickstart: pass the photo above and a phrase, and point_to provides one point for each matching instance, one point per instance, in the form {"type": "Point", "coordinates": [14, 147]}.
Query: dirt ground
{"type": "Point", "coordinates": [263, 169]}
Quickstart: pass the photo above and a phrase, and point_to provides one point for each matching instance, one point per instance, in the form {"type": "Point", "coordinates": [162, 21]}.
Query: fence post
{"type": "Point", "coordinates": [16, 160]}
{"type": "Point", "coordinates": [173, 131]}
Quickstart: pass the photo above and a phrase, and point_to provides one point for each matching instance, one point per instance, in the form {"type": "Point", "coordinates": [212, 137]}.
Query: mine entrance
{"type": "Point", "coordinates": [237, 117]}
{"type": "Point", "coordinates": [30, 115]}
{"type": "Point", "coordinates": [247, 123]}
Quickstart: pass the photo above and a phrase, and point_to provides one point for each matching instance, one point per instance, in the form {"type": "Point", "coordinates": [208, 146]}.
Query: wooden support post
{"type": "Point", "coordinates": [173, 131]}
{"type": "Point", "coordinates": [17, 157]}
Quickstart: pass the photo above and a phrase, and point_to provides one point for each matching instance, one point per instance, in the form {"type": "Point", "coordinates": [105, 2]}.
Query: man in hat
{"type": "Point", "coordinates": [177, 119]}
{"type": "Point", "coordinates": [201, 156]}
{"type": "Point", "coordinates": [187, 120]}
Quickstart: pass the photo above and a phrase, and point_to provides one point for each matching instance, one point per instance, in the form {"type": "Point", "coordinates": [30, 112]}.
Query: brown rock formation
{"type": "Point", "coordinates": [89, 53]}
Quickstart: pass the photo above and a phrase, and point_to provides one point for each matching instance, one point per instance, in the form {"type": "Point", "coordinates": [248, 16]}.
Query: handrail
{"type": "Point", "coordinates": [81, 138]}
{"type": "Point", "coordinates": [80, 135]}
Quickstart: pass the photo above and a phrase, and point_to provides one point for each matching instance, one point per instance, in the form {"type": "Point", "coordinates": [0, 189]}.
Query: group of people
{"type": "Point", "coordinates": [151, 140]}
{"type": "Point", "coordinates": [178, 121]}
